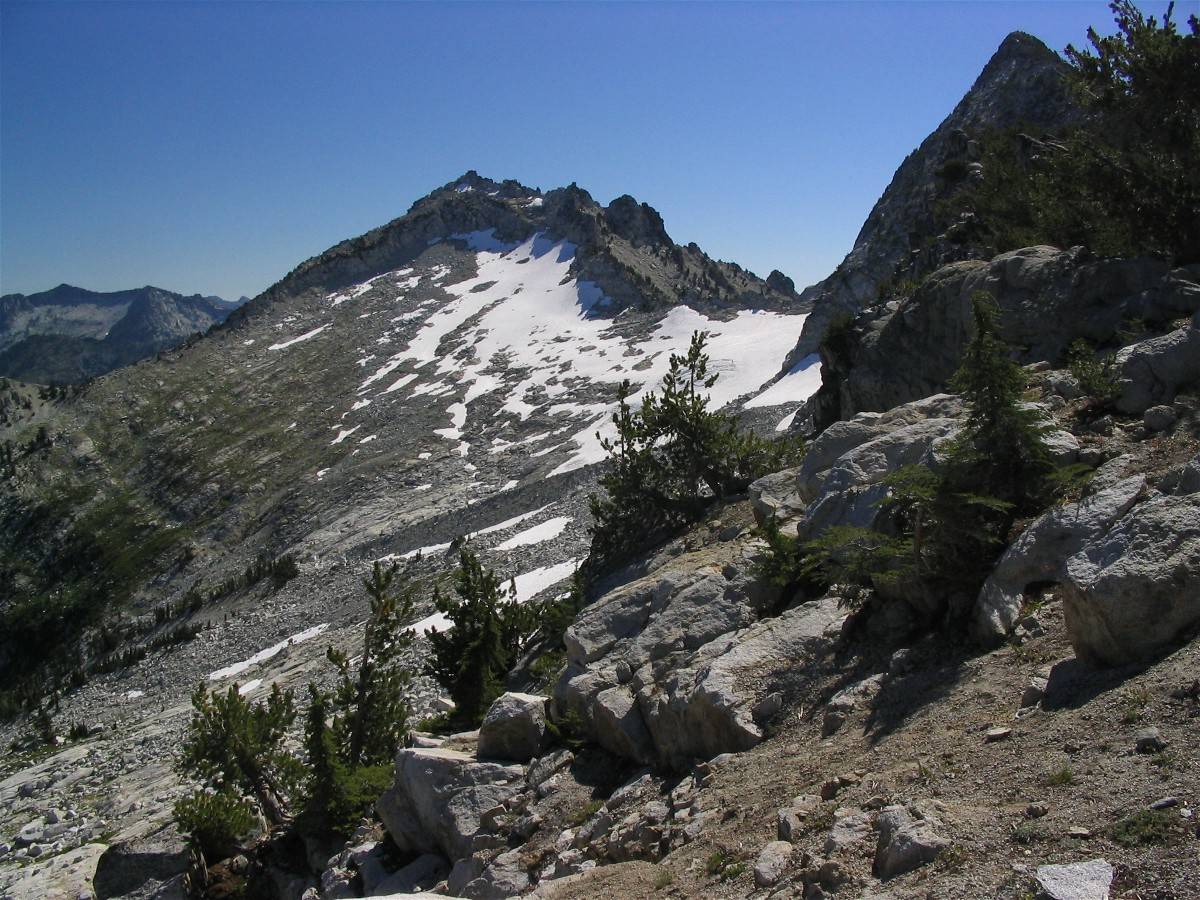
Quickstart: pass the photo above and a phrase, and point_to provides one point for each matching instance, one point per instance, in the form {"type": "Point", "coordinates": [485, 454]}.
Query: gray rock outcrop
{"type": "Point", "coordinates": [1127, 557]}
{"type": "Point", "coordinates": [772, 862]}
{"type": "Point", "coordinates": [1076, 881]}
{"type": "Point", "coordinates": [905, 842]}
{"type": "Point", "coordinates": [1151, 371]}
{"type": "Point", "coordinates": [1023, 85]}
{"type": "Point", "coordinates": [1130, 593]}
{"type": "Point", "coordinates": [514, 728]}
{"type": "Point", "coordinates": [669, 667]}
{"type": "Point", "coordinates": [438, 799]}
{"type": "Point", "coordinates": [1047, 298]}
{"type": "Point", "coordinates": [1041, 552]}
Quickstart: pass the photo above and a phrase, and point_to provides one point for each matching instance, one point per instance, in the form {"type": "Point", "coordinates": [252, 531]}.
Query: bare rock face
{"type": "Point", "coordinates": [1076, 881]}
{"type": "Point", "coordinates": [905, 842]}
{"type": "Point", "coordinates": [772, 862]}
{"type": "Point", "coordinates": [1151, 371]}
{"type": "Point", "coordinates": [153, 866]}
{"type": "Point", "coordinates": [1130, 593]}
{"type": "Point", "coordinates": [1041, 552]}
{"type": "Point", "coordinates": [669, 667]}
{"type": "Point", "coordinates": [514, 728]}
{"type": "Point", "coordinates": [438, 799]}
{"type": "Point", "coordinates": [1047, 298]}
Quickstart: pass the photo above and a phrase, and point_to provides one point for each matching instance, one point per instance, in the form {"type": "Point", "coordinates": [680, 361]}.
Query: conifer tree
{"type": "Point", "coordinates": [231, 743]}
{"type": "Point", "coordinates": [489, 630]}
{"type": "Point", "coordinates": [326, 773]}
{"type": "Point", "coordinates": [371, 703]}
{"type": "Point", "coordinates": [1000, 452]}
{"type": "Point", "coordinates": [672, 459]}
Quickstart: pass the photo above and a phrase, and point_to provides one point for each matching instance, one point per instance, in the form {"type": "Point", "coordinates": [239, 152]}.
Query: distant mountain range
{"type": "Point", "coordinates": [69, 334]}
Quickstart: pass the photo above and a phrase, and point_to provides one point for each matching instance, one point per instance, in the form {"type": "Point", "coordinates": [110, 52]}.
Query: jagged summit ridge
{"type": "Point", "coordinates": [624, 247]}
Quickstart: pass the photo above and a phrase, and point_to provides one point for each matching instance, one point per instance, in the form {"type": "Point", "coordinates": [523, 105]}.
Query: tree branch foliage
{"type": "Point", "coordinates": [671, 460]}
{"type": "Point", "coordinates": [1126, 181]}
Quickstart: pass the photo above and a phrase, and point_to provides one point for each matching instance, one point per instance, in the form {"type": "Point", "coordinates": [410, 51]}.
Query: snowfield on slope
{"type": "Point", "coordinates": [525, 332]}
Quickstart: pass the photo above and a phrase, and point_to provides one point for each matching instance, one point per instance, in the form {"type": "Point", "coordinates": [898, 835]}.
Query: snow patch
{"type": "Point", "coordinates": [800, 383]}
{"type": "Point", "coordinates": [538, 534]}
{"type": "Point", "coordinates": [267, 653]}
{"type": "Point", "coordinates": [533, 583]}
{"type": "Point", "coordinates": [296, 340]}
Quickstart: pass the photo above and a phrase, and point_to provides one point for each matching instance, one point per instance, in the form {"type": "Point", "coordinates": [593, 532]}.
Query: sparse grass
{"type": "Point", "coordinates": [953, 858]}
{"type": "Point", "coordinates": [1020, 651]}
{"type": "Point", "coordinates": [663, 878]}
{"type": "Point", "coordinates": [724, 865]}
{"type": "Point", "coordinates": [1033, 605]}
{"type": "Point", "coordinates": [439, 723]}
{"type": "Point", "coordinates": [1147, 826]}
{"type": "Point", "coordinates": [821, 818]}
{"type": "Point", "coordinates": [732, 871]}
{"type": "Point", "coordinates": [1165, 760]}
{"type": "Point", "coordinates": [1030, 833]}
{"type": "Point", "coordinates": [1060, 777]}
{"type": "Point", "coordinates": [586, 812]}
{"type": "Point", "coordinates": [1133, 704]}
{"type": "Point", "coordinates": [547, 667]}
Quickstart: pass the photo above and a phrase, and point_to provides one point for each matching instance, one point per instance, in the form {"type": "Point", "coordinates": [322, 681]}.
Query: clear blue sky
{"type": "Point", "coordinates": [210, 147]}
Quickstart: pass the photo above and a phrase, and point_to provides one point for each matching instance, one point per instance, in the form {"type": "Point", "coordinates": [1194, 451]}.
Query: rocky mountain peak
{"type": "Point", "coordinates": [638, 223]}
{"type": "Point", "coordinates": [1023, 84]}
{"type": "Point", "coordinates": [622, 248]}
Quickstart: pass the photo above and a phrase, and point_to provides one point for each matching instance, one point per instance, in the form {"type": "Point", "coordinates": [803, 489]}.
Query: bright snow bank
{"type": "Point", "coordinates": [491, 529]}
{"type": "Point", "coordinates": [263, 655]}
{"type": "Point", "coordinates": [544, 531]}
{"type": "Point", "coordinates": [800, 383]}
{"type": "Point", "coordinates": [528, 586]}
{"type": "Point", "coordinates": [524, 308]}
{"type": "Point", "coordinates": [533, 583]}
{"type": "Point", "coordinates": [297, 340]}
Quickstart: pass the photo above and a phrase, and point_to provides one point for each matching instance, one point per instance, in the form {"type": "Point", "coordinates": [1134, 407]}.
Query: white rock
{"type": "Point", "coordinates": [1130, 593]}
{"type": "Point", "coordinates": [1076, 881]}
{"type": "Point", "coordinates": [772, 862]}
{"type": "Point", "coordinates": [439, 796]}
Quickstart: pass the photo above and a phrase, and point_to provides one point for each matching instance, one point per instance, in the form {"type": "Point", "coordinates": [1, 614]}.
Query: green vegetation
{"type": "Point", "coordinates": [66, 562]}
{"type": "Point", "coordinates": [723, 865]}
{"type": "Point", "coordinates": [337, 794]}
{"type": "Point", "coordinates": [371, 705]}
{"type": "Point", "coordinates": [239, 751]}
{"type": "Point", "coordinates": [1123, 183]}
{"type": "Point", "coordinates": [943, 529]}
{"type": "Point", "coordinates": [1030, 833]}
{"type": "Point", "coordinates": [1147, 826]}
{"type": "Point", "coordinates": [1097, 374]}
{"type": "Point", "coordinates": [663, 879]}
{"type": "Point", "coordinates": [215, 821]}
{"type": "Point", "coordinates": [489, 631]}
{"type": "Point", "coordinates": [585, 812]}
{"type": "Point", "coordinates": [351, 737]}
{"type": "Point", "coordinates": [1000, 452]}
{"type": "Point", "coordinates": [232, 744]}
{"type": "Point", "coordinates": [1060, 777]}
{"type": "Point", "coordinates": [1133, 704]}
{"type": "Point", "coordinates": [671, 461]}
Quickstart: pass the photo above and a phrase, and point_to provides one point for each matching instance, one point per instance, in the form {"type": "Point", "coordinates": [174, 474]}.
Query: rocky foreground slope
{"type": "Point", "coordinates": [446, 375]}
{"type": "Point", "coordinates": [441, 377]}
